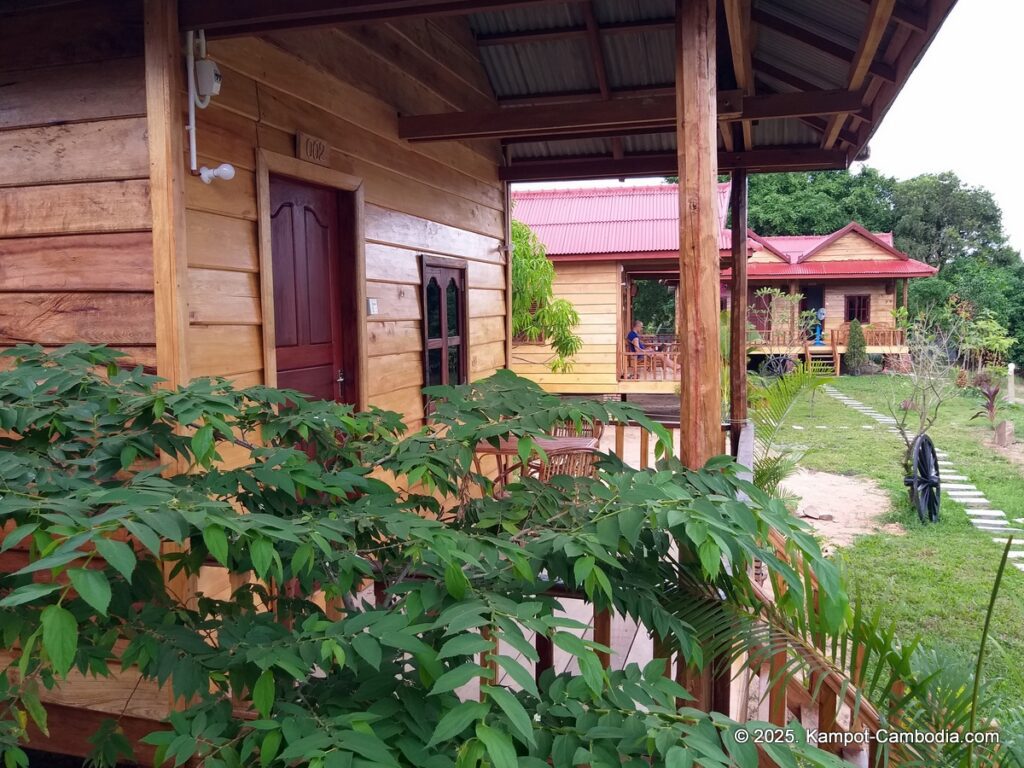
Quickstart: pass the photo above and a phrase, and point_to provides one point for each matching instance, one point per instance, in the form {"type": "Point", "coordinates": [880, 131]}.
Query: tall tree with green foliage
{"type": "Point", "coordinates": [942, 221]}
{"type": "Point", "coordinates": [655, 306]}
{"type": "Point", "coordinates": [536, 314]}
{"type": "Point", "coordinates": [820, 202]}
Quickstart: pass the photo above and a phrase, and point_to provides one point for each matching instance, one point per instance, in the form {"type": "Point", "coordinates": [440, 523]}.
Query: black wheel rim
{"type": "Point", "coordinates": [926, 485]}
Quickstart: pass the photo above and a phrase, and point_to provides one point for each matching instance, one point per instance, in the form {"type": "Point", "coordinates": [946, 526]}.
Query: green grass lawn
{"type": "Point", "coordinates": [935, 580]}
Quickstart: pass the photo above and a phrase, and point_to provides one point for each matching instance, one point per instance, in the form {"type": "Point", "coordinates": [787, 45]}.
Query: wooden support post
{"type": "Point", "coordinates": [906, 282]}
{"type": "Point", "coordinates": [165, 131]}
{"type": "Point", "coordinates": [603, 635]}
{"type": "Point", "coordinates": [696, 138]}
{"type": "Point", "coordinates": [738, 314]}
{"type": "Point", "coordinates": [545, 655]}
{"type": "Point", "coordinates": [700, 407]}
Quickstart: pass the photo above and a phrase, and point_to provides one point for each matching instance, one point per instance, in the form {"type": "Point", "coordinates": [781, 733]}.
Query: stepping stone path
{"type": "Point", "coordinates": [960, 490]}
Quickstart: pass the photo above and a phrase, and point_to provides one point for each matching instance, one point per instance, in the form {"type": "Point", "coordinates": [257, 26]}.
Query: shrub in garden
{"type": "Point", "coordinates": [856, 349]}
{"type": "Point", "coordinates": [110, 483]}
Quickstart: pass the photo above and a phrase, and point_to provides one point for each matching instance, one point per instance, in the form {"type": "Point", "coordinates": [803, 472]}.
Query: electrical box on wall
{"type": "Point", "coordinates": [371, 306]}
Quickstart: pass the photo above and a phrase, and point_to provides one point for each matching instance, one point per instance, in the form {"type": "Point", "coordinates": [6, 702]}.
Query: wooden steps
{"type": "Point", "coordinates": [822, 360]}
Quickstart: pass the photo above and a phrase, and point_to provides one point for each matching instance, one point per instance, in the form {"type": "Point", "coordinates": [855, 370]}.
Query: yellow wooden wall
{"type": "Point", "coordinates": [348, 88]}
{"type": "Point", "coordinates": [882, 303]}
{"type": "Point", "coordinates": [593, 288]}
{"type": "Point", "coordinates": [75, 246]}
{"type": "Point", "coordinates": [853, 246]}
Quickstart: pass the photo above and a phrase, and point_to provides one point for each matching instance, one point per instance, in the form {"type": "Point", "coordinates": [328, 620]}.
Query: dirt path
{"type": "Point", "coordinates": [839, 507]}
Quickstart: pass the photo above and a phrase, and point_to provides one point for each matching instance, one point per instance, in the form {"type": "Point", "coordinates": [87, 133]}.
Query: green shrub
{"type": "Point", "coordinates": [856, 349]}
{"type": "Point", "coordinates": [91, 465]}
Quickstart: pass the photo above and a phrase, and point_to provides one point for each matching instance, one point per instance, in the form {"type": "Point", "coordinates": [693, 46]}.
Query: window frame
{"type": "Point", "coordinates": [444, 268]}
{"type": "Point", "coordinates": [865, 316]}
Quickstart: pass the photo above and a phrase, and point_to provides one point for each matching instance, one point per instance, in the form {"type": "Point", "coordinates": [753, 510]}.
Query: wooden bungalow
{"type": "Point", "coordinates": [351, 167]}
{"type": "Point", "coordinates": [603, 241]}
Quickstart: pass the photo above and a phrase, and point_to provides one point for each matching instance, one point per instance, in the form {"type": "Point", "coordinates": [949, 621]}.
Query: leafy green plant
{"type": "Point", "coordinates": [856, 348]}
{"type": "Point", "coordinates": [990, 405]}
{"type": "Point", "coordinates": [110, 483]}
{"type": "Point", "coordinates": [536, 315]}
{"type": "Point", "coordinates": [771, 401]}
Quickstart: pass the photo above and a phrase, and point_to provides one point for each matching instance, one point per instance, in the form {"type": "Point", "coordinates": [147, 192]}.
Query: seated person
{"type": "Point", "coordinates": [633, 342]}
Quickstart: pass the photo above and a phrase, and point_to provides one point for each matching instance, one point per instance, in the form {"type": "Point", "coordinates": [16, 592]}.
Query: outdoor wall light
{"type": "Point", "coordinates": [224, 171]}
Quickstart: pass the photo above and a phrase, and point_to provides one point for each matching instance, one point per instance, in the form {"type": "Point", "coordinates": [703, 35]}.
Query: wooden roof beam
{"type": "Point", "coordinates": [563, 33]}
{"type": "Point", "coordinates": [737, 17]}
{"type": "Point", "coordinates": [666, 164]}
{"type": "Point", "coordinates": [224, 18]}
{"type": "Point", "coordinates": [911, 18]}
{"type": "Point", "coordinates": [878, 19]}
{"type": "Point", "coordinates": [617, 115]}
{"type": "Point", "coordinates": [823, 44]}
{"type": "Point", "coordinates": [573, 97]}
{"type": "Point", "coordinates": [783, 76]}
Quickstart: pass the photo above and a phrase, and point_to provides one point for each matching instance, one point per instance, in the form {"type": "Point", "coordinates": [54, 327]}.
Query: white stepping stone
{"type": "Point", "coordinates": [965, 494]}
{"type": "Point", "coordinates": [797, 426]}
{"type": "Point", "coordinates": [942, 454]}
{"type": "Point", "coordinates": [980, 502]}
{"type": "Point", "coordinates": [980, 514]}
{"type": "Point", "coordinates": [959, 487]}
{"type": "Point", "coordinates": [957, 477]}
{"type": "Point", "coordinates": [1019, 566]}
{"type": "Point", "coordinates": [821, 426]}
{"type": "Point", "coordinates": [868, 426]}
{"type": "Point", "coordinates": [1016, 554]}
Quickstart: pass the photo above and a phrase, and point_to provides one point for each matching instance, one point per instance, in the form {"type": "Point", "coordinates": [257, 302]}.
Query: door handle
{"type": "Point", "coordinates": [341, 376]}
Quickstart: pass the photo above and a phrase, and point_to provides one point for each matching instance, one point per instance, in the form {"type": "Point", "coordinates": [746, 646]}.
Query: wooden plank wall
{"type": "Point", "coordinates": [853, 246]}
{"type": "Point", "coordinates": [348, 88]}
{"type": "Point", "coordinates": [593, 288]}
{"type": "Point", "coordinates": [882, 303]}
{"type": "Point", "coordinates": [75, 246]}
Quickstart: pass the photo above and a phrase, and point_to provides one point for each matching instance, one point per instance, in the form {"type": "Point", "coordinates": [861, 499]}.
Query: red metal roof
{"type": "Point", "coordinates": [606, 222]}
{"type": "Point", "coordinates": [825, 270]}
{"type": "Point", "coordinates": [610, 219]}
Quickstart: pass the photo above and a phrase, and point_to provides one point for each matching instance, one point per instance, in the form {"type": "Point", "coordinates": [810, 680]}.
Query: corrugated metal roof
{"type": "Point", "coordinates": [610, 219]}
{"type": "Point", "coordinates": [840, 269]}
{"type": "Point", "coordinates": [625, 220]}
{"type": "Point", "coordinates": [645, 58]}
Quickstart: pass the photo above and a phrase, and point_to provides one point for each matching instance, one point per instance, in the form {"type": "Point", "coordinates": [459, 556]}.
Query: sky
{"type": "Point", "coordinates": [958, 111]}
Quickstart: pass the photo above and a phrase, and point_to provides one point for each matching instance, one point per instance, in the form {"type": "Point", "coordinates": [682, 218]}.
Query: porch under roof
{"type": "Point", "coordinates": [586, 89]}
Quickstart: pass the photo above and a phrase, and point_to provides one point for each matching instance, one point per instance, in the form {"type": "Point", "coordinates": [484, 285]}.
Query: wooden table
{"type": "Point", "coordinates": [506, 453]}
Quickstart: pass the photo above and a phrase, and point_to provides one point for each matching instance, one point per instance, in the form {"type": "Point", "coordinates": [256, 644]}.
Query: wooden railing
{"type": "Point", "coordinates": [826, 699]}
{"type": "Point", "coordinates": [874, 336]}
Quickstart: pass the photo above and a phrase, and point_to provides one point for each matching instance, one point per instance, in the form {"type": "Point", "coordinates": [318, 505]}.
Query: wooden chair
{"type": "Point", "coordinates": [592, 429]}
{"type": "Point", "coordinates": [638, 364]}
{"type": "Point", "coordinates": [570, 463]}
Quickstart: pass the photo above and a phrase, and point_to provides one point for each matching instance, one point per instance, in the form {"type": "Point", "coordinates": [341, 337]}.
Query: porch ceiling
{"type": "Point", "coordinates": [585, 89]}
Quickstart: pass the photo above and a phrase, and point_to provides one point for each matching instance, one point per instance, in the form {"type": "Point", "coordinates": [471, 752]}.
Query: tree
{"type": "Point", "coordinates": [856, 348]}
{"type": "Point", "coordinates": [655, 306]}
{"type": "Point", "coordinates": [536, 314]}
{"type": "Point", "coordinates": [942, 221]}
{"type": "Point", "coordinates": [819, 203]}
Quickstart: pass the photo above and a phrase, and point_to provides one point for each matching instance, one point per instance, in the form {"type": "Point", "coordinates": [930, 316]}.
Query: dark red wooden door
{"type": "Point", "coordinates": [308, 300]}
